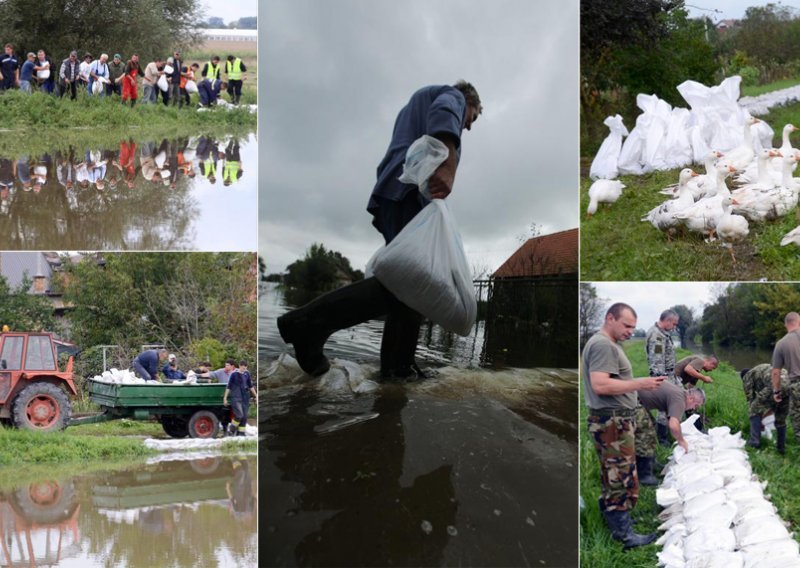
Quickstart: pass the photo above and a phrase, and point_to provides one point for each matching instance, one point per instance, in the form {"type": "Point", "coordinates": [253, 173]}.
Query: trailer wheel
{"type": "Point", "coordinates": [41, 407]}
{"type": "Point", "coordinates": [174, 426]}
{"type": "Point", "coordinates": [46, 502]}
{"type": "Point", "coordinates": [203, 424]}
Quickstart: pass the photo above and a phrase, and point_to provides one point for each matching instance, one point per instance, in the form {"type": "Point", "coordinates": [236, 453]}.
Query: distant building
{"type": "Point", "coordinates": [553, 255]}
{"type": "Point", "coordinates": [36, 266]}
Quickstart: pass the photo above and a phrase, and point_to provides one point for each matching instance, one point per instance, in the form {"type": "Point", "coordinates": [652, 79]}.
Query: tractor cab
{"type": "Point", "coordinates": [34, 392]}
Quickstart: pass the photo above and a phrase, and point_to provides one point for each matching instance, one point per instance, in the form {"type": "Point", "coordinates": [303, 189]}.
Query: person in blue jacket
{"type": "Point", "coordinates": [146, 363]}
{"type": "Point", "coordinates": [239, 389]}
{"type": "Point", "coordinates": [441, 111]}
{"type": "Point", "coordinates": [171, 371]}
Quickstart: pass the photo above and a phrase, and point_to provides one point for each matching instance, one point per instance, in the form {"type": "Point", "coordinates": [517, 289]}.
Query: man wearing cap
{"type": "Point", "coordinates": [116, 70]}
{"type": "Point", "coordinates": [68, 75]}
{"type": "Point", "coordinates": [83, 77]}
{"type": "Point", "coordinates": [170, 370]}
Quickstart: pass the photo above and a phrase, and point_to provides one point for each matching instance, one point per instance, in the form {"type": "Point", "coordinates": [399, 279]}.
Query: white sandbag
{"type": "Point", "coordinates": [777, 549]}
{"type": "Point", "coordinates": [702, 486]}
{"type": "Point", "coordinates": [697, 506]}
{"type": "Point", "coordinates": [97, 87]}
{"type": "Point", "coordinates": [43, 74]}
{"type": "Point", "coordinates": [666, 496]}
{"type": "Point", "coordinates": [162, 83]}
{"type": "Point", "coordinates": [708, 539]}
{"type": "Point", "coordinates": [169, 69]}
{"type": "Point", "coordinates": [604, 164]}
{"type": "Point", "coordinates": [425, 268]}
{"type": "Point", "coordinates": [671, 556]}
{"type": "Point", "coordinates": [717, 516]}
{"type": "Point", "coordinates": [160, 159]}
{"type": "Point", "coordinates": [717, 560]}
{"type": "Point", "coordinates": [191, 87]}
{"type": "Point", "coordinates": [760, 529]}
{"type": "Point", "coordinates": [422, 158]}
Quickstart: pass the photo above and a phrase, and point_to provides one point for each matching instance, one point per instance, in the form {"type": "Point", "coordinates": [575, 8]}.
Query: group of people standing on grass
{"type": "Point", "coordinates": [619, 406]}
{"type": "Point", "coordinates": [173, 79]}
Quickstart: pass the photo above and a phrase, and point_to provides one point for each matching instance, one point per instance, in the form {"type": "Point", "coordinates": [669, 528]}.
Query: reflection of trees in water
{"type": "Point", "coordinates": [129, 212]}
{"type": "Point", "coordinates": [350, 476]}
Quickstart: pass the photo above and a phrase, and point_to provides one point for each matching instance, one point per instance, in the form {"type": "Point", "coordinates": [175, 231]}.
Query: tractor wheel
{"type": "Point", "coordinates": [45, 502]}
{"type": "Point", "coordinates": [175, 426]}
{"type": "Point", "coordinates": [203, 424]}
{"type": "Point", "coordinates": [41, 407]}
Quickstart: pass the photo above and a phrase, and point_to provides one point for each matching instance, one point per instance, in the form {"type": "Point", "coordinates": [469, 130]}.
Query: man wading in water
{"type": "Point", "coordinates": [440, 111]}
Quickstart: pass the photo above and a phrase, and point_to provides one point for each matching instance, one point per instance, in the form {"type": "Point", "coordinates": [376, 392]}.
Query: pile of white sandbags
{"type": "Point", "coordinates": [716, 513]}
{"type": "Point", "coordinates": [119, 377]}
{"type": "Point", "coordinates": [667, 138]}
{"type": "Point", "coordinates": [761, 104]}
{"type": "Point", "coordinates": [183, 444]}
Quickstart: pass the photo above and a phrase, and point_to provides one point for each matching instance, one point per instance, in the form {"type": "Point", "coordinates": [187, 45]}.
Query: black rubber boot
{"type": "Point", "coordinates": [754, 441]}
{"type": "Point", "coordinates": [399, 344]}
{"type": "Point", "coordinates": [781, 441]}
{"type": "Point", "coordinates": [308, 328]}
{"type": "Point", "coordinates": [644, 467]}
{"type": "Point", "coordinates": [621, 527]}
{"type": "Point", "coordinates": [662, 432]}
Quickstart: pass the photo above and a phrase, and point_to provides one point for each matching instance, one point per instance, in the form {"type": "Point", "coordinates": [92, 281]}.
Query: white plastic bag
{"type": "Point", "coordinates": [604, 164]}
{"type": "Point", "coordinates": [422, 158]}
{"type": "Point", "coordinates": [97, 87]}
{"type": "Point", "coordinates": [162, 83]}
{"type": "Point", "coordinates": [425, 268]}
{"type": "Point", "coordinates": [191, 87]}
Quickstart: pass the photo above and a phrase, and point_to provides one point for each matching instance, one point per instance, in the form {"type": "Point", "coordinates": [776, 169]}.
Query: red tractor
{"type": "Point", "coordinates": [34, 393]}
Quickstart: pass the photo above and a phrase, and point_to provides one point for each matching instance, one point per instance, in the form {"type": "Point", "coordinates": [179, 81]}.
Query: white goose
{"type": "Point", "coordinates": [792, 236]}
{"type": "Point", "coordinates": [764, 179]}
{"type": "Point", "coordinates": [702, 185]}
{"type": "Point", "coordinates": [731, 228]}
{"type": "Point", "coordinates": [743, 154]}
{"type": "Point", "coordinates": [603, 191]}
{"type": "Point", "coordinates": [663, 216]}
{"type": "Point", "coordinates": [761, 204]}
{"type": "Point", "coordinates": [702, 216]}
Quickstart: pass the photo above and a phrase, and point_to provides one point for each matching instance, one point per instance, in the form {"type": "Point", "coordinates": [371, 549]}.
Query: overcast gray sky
{"type": "Point", "coordinates": [728, 9]}
{"type": "Point", "coordinates": [230, 10]}
{"type": "Point", "coordinates": [333, 76]}
{"type": "Point", "coordinates": [649, 299]}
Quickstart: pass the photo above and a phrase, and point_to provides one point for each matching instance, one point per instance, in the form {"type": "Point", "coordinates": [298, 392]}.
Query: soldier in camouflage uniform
{"type": "Point", "coordinates": [661, 360]}
{"type": "Point", "coordinates": [757, 384]}
{"type": "Point", "coordinates": [786, 355]}
{"type": "Point", "coordinates": [610, 392]}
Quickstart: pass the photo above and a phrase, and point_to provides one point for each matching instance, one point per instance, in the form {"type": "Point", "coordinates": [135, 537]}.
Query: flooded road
{"type": "Point", "coordinates": [198, 512]}
{"type": "Point", "coordinates": [190, 193]}
{"type": "Point", "coordinates": [476, 466]}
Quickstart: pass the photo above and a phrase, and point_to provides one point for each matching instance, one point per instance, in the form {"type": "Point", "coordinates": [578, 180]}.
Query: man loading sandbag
{"type": "Point", "coordinates": [146, 363]}
{"type": "Point", "coordinates": [439, 111]}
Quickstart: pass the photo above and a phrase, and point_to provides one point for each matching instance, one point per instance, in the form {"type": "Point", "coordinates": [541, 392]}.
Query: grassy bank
{"type": "Point", "coordinates": [23, 111]}
{"type": "Point", "coordinates": [725, 406]}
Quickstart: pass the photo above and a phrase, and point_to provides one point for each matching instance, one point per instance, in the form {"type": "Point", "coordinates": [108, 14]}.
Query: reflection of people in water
{"type": "Point", "coordinates": [240, 491]}
{"type": "Point", "coordinates": [353, 508]}
{"type": "Point", "coordinates": [232, 170]}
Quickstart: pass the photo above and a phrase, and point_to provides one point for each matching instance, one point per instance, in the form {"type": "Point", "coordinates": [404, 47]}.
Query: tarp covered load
{"type": "Point", "coordinates": [716, 512]}
{"type": "Point", "coordinates": [667, 138]}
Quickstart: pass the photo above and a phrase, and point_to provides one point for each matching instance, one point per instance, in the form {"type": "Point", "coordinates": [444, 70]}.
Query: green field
{"type": "Point", "coordinates": [725, 406]}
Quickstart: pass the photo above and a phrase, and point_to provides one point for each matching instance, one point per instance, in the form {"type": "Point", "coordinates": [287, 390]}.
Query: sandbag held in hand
{"type": "Point", "coordinates": [422, 158]}
{"type": "Point", "coordinates": [425, 268]}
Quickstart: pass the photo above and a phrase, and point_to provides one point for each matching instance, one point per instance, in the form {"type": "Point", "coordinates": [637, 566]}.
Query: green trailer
{"type": "Point", "coordinates": [193, 410]}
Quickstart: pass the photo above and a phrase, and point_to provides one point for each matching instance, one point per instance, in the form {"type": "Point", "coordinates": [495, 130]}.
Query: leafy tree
{"type": "Point", "coordinates": [22, 311]}
{"type": "Point", "coordinates": [146, 27]}
{"type": "Point", "coordinates": [215, 22]}
{"type": "Point", "coordinates": [590, 311]}
{"type": "Point", "coordinates": [320, 270]}
{"type": "Point", "coordinates": [685, 322]}
{"type": "Point", "coordinates": [249, 23]}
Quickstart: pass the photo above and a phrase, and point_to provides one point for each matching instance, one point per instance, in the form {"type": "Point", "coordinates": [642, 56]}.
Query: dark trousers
{"type": "Point", "coordinates": [240, 409]}
{"type": "Point", "coordinates": [71, 88]}
{"type": "Point", "coordinates": [113, 87]}
{"type": "Point", "coordinates": [235, 89]}
{"type": "Point", "coordinates": [141, 371]}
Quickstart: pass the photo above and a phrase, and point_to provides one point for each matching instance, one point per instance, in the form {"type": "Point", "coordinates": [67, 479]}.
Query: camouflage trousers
{"type": "Point", "coordinates": [794, 407]}
{"type": "Point", "coordinates": [646, 438]}
{"type": "Point", "coordinates": [763, 403]}
{"type": "Point", "coordinates": [614, 441]}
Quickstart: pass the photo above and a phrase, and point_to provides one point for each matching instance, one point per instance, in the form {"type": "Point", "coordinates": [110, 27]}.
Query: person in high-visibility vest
{"type": "Point", "coordinates": [208, 88]}
{"type": "Point", "coordinates": [232, 170]}
{"type": "Point", "coordinates": [234, 69]}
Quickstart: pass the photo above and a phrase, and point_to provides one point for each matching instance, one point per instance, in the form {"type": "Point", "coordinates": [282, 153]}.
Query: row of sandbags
{"type": "Point", "coordinates": [716, 512]}
{"type": "Point", "coordinates": [667, 138]}
{"type": "Point", "coordinates": [127, 377]}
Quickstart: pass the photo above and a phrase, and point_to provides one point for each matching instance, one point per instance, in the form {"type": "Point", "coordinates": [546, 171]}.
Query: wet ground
{"type": "Point", "coordinates": [190, 193]}
{"type": "Point", "coordinates": [182, 512]}
{"type": "Point", "coordinates": [474, 467]}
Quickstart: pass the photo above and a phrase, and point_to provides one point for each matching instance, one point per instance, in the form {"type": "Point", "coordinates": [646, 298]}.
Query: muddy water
{"type": "Point", "coordinates": [167, 194]}
{"type": "Point", "coordinates": [198, 512]}
{"type": "Point", "coordinates": [473, 467]}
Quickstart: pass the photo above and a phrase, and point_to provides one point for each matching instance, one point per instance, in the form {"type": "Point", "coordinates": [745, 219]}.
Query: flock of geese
{"type": "Point", "coordinates": [763, 189]}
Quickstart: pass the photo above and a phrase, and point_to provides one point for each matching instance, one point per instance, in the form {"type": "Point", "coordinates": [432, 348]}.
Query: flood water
{"type": "Point", "coordinates": [737, 356]}
{"type": "Point", "coordinates": [476, 466]}
{"type": "Point", "coordinates": [192, 193]}
{"type": "Point", "coordinates": [198, 512]}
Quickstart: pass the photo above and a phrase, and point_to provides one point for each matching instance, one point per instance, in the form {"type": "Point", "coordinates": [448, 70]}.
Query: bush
{"type": "Point", "coordinates": [750, 75]}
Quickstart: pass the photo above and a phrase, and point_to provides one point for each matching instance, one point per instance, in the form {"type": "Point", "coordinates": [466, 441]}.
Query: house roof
{"type": "Point", "coordinates": [548, 255]}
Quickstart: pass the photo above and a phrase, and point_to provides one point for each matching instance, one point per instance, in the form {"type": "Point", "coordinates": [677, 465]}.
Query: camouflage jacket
{"type": "Point", "coordinates": [757, 382]}
{"type": "Point", "coordinates": [660, 352]}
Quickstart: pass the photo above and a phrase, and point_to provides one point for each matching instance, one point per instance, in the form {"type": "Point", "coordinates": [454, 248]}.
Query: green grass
{"type": "Point", "coordinates": [755, 90]}
{"type": "Point", "coordinates": [725, 406]}
{"type": "Point", "coordinates": [22, 111]}
{"type": "Point", "coordinates": [122, 427]}
{"type": "Point", "coordinates": [23, 447]}
{"type": "Point", "coordinates": [617, 245]}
